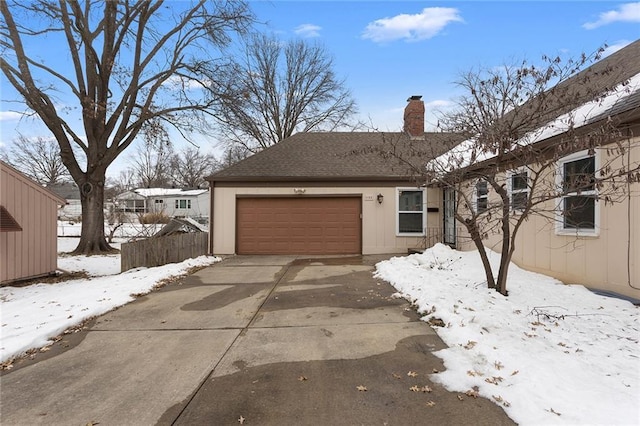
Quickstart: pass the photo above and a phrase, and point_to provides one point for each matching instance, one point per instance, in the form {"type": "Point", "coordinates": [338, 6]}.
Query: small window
{"type": "Point", "coordinates": [183, 204]}
{"type": "Point", "coordinates": [482, 196]}
{"type": "Point", "coordinates": [411, 214]}
{"type": "Point", "coordinates": [578, 206]}
{"type": "Point", "coordinates": [158, 201]}
{"type": "Point", "coordinates": [519, 190]}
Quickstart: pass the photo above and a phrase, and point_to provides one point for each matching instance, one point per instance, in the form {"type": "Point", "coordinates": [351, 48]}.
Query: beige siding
{"type": "Point", "coordinates": [608, 261]}
{"type": "Point", "coordinates": [378, 220]}
{"type": "Point", "coordinates": [32, 251]}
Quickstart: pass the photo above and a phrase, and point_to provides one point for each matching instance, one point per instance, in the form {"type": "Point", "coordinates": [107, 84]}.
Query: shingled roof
{"type": "Point", "coordinates": [339, 156]}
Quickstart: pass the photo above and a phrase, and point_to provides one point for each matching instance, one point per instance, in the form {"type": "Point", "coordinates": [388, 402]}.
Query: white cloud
{"type": "Point", "coordinates": [421, 26]}
{"type": "Point", "coordinates": [438, 103]}
{"type": "Point", "coordinates": [176, 82]}
{"type": "Point", "coordinates": [628, 12]}
{"type": "Point", "coordinates": [308, 30]}
{"type": "Point", "coordinates": [612, 48]}
{"type": "Point", "coordinates": [10, 115]}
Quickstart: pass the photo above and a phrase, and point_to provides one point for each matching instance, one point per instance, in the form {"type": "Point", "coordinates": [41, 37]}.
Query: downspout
{"type": "Point", "coordinates": [212, 187]}
{"type": "Point", "coordinates": [629, 214]}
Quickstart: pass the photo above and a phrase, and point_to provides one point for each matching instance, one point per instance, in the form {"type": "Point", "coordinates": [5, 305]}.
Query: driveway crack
{"type": "Point", "coordinates": [241, 332]}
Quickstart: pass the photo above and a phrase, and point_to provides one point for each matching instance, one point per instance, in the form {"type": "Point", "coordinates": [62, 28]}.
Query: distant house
{"type": "Point", "coordinates": [70, 192]}
{"type": "Point", "coordinates": [28, 227]}
{"type": "Point", "coordinates": [172, 202]}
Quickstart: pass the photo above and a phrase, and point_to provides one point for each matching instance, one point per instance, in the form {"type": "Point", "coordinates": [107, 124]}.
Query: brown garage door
{"type": "Point", "coordinates": [299, 225]}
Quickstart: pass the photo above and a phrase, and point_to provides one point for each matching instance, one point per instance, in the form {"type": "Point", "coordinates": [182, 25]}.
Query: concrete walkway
{"type": "Point", "coordinates": [270, 340]}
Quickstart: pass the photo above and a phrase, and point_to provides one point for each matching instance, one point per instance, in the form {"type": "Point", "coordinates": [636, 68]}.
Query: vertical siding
{"type": "Point", "coordinates": [32, 251]}
{"type": "Point", "coordinates": [603, 261]}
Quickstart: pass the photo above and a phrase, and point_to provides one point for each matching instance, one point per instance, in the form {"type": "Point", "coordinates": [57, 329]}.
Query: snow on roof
{"type": "Point", "coordinates": [467, 153]}
{"type": "Point", "coordinates": [169, 192]}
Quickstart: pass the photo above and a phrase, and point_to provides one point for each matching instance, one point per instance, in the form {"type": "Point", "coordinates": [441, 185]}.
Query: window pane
{"type": "Point", "coordinates": [579, 175]}
{"type": "Point", "coordinates": [519, 181]}
{"type": "Point", "coordinates": [410, 201]}
{"type": "Point", "coordinates": [410, 222]}
{"type": "Point", "coordinates": [481, 188]}
{"type": "Point", "coordinates": [482, 204]}
{"type": "Point", "coordinates": [579, 213]}
{"type": "Point", "coordinates": [519, 200]}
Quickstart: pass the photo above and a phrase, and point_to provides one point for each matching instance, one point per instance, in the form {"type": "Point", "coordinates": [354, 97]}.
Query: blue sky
{"type": "Point", "coordinates": [389, 50]}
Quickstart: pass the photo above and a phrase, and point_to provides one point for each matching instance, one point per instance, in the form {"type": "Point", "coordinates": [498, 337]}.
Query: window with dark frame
{"type": "Point", "coordinates": [410, 211]}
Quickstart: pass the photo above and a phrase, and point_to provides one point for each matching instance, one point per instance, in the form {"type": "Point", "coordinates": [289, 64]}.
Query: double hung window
{"type": "Point", "coordinates": [518, 189]}
{"type": "Point", "coordinates": [411, 211]}
{"type": "Point", "coordinates": [578, 206]}
{"type": "Point", "coordinates": [481, 196]}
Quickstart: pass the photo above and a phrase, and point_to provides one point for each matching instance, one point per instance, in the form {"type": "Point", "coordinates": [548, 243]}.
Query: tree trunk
{"type": "Point", "coordinates": [92, 237]}
{"type": "Point", "coordinates": [506, 252]}
{"type": "Point", "coordinates": [472, 228]}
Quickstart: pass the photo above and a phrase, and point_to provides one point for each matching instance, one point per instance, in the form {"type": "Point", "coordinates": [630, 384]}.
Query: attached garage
{"type": "Point", "coordinates": [331, 193]}
{"type": "Point", "coordinates": [299, 225]}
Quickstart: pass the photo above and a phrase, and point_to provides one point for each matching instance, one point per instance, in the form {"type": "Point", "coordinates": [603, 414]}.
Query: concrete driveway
{"type": "Point", "coordinates": [269, 340]}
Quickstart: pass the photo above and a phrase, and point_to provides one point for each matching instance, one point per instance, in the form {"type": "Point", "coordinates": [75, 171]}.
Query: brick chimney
{"type": "Point", "coordinates": [414, 117]}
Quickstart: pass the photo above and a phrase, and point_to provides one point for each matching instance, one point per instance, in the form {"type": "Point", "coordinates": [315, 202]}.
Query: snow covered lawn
{"type": "Point", "coordinates": [33, 314]}
{"type": "Point", "coordinates": [548, 353]}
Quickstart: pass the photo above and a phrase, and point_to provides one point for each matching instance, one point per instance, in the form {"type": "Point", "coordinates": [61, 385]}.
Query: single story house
{"type": "Point", "coordinates": [28, 227]}
{"type": "Point", "coordinates": [69, 191]}
{"type": "Point", "coordinates": [331, 193]}
{"type": "Point", "coordinates": [170, 201]}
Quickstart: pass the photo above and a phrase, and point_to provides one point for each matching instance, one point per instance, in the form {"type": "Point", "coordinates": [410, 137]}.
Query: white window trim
{"type": "Point", "coordinates": [511, 191]}
{"type": "Point", "coordinates": [475, 198]}
{"type": "Point", "coordinates": [580, 232]}
{"type": "Point", "coordinates": [424, 212]}
{"type": "Point", "coordinates": [187, 204]}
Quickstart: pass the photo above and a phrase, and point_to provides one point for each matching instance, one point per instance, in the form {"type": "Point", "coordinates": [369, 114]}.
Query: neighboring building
{"type": "Point", "coordinates": [72, 210]}
{"type": "Point", "coordinates": [172, 202]}
{"type": "Point", "coordinates": [583, 238]}
{"type": "Point", "coordinates": [28, 227]}
{"type": "Point", "coordinates": [330, 193]}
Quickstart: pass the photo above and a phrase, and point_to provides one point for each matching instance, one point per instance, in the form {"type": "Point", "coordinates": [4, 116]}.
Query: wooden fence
{"type": "Point", "coordinates": [162, 250]}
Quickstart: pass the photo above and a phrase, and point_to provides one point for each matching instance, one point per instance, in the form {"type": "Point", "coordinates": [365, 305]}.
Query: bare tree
{"type": "Point", "coordinates": [151, 165]}
{"type": "Point", "coordinates": [233, 154]}
{"type": "Point", "coordinates": [134, 68]}
{"type": "Point", "coordinates": [189, 167]}
{"type": "Point", "coordinates": [281, 88]}
{"type": "Point", "coordinates": [518, 123]}
{"type": "Point", "coordinates": [39, 158]}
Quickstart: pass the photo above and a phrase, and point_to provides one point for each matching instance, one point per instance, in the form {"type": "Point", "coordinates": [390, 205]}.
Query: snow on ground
{"type": "Point", "coordinates": [548, 353]}
{"type": "Point", "coordinates": [33, 314]}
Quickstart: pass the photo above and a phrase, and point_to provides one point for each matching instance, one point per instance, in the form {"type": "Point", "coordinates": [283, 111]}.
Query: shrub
{"type": "Point", "coordinates": [150, 218]}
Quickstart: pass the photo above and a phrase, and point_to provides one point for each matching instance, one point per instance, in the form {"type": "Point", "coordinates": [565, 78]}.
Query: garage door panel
{"type": "Point", "coordinates": [326, 225]}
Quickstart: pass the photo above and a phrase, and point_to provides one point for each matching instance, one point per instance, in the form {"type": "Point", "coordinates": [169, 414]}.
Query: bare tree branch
{"type": "Point", "coordinates": [281, 88]}
{"type": "Point", "coordinates": [123, 57]}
